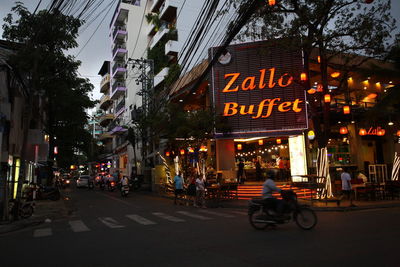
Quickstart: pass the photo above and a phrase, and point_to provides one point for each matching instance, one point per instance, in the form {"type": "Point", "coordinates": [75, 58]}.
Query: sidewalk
{"type": "Point", "coordinates": [44, 210]}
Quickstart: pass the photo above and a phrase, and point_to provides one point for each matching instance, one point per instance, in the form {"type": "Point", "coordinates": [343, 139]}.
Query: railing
{"type": "Point", "coordinates": [118, 47]}
{"type": "Point", "coordinates": [117, 84]}
{"type": "Point", "coordinates": [118, 64]}
{"type": "Point", "coordinates": [118, 28]}
{"type": "Point", "coordinates": [120, 105]}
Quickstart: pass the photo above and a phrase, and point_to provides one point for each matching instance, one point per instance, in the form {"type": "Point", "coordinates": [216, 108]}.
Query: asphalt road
{"type": "Point", "coordinates": [144, 230]}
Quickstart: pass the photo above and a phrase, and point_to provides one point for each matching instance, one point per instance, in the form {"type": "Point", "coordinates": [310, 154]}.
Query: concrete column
{"type": "Point", "coordinates": [225, 152]}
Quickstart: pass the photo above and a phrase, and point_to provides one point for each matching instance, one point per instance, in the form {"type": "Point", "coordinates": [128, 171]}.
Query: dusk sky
{"type": "Point", "coordinates": [98, 48]}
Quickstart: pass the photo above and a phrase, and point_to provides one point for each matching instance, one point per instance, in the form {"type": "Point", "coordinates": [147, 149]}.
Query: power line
{"type": "Point", "coordinates": [98, 26]}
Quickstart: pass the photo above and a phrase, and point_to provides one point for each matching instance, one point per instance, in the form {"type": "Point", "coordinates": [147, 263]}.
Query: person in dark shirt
{"type": "Point", "coordinates": [240, 173]}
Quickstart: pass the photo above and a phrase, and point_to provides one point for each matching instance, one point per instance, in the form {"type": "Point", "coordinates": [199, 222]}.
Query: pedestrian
{"type": "Point", "coordinates": [240, 173]}
{"type": "Point", "coordinates": [200, 192]}
{"type": "Point", "coordinates": [178, 181]}
{"type": "Point", "coordinates": [346, 185]}
{"type": "Point", "coordinates": [258, 170]}
{"type": "Point", "coordinates": [191, 190]}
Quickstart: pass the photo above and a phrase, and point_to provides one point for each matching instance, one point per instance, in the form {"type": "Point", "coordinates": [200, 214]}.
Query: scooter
{"type": "Point", "coordinates": [23, 210]}
{"type": "Point", "coordinates": [124, 190]}
{"type": "Point", "coordinates": [111, 186]}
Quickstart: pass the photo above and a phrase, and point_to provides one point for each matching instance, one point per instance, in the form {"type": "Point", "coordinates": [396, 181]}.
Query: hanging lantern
{"type": "Point", "coordinates": [278, 141]}
{"type": "Point", "coordinates": [327, 98]}
{"type": "Point", "coordinates": [167, 153]}
{"type": "Point", "coordinates": [239, 146]}
{"type": "Point", "coordinates": [260, 142]}
{"type": "Point", "coordinates": [320, 88]}
{"type": "Point", "coordinates": [271, 2]}
{"type": "Point", "coordinates": [311, 91]}
{"type": "Point", "coordinates": [335, 74]}
{"type": "Point", "coordinates": [362, 132]}
{"type": "Point", "coordinates": [319, 59]}
{"type": "Point", "coordinates": [343, 130]}
{"type": "Point", "coordinates": [398, 133]}
{"type": "Point", "coordinates": [381, 132]}
{"type": "Point", "coordinates": [55, 150]}
{"type": "Point", "coordinates": [203, 148]}
{"type": "Point", "coordinates": [346, 109]}
{"type": "Point", "coordinates": [190, 150]}
{"type": "Point", "coordinates": [182, 151]}
{"type": "Point", "coordinates": [303, 76]}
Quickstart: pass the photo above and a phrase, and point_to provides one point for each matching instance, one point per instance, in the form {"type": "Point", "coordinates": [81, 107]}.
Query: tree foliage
{"type": "Point", "coordinates": [41, 42]}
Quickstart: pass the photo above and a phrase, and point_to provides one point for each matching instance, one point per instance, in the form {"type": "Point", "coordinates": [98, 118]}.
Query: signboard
{"type": "Point", "coordinates": [255, 87]}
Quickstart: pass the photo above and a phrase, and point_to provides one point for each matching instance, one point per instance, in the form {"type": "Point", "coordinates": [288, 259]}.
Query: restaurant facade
{"type": "Point", "coordinates": [258, 88]}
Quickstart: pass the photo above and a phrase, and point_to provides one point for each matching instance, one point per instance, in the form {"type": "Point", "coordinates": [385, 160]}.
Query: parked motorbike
{"type": "Point", "coordinates": [262, 216]}
{"type": "Point", "coordinates": [135, 183]}
{"type": "Point", "coordinates": [48, 192]}
{"type": "Point", "coordinates": [21, 209]}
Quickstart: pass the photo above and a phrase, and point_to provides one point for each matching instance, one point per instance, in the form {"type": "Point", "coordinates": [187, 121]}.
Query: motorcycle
{"type": "Point", "coordinates": [135, 183]}
{"type": "Point", "coordinates": [48, 192]}
{"type": "Point", "coordinates": [124, 190]}
{"type": "Point", "coordinates": [262, 216]}
{"type": "Point", "coordinates": [111, 186]}
{"type": "Point", "coordinates": [20, 209]}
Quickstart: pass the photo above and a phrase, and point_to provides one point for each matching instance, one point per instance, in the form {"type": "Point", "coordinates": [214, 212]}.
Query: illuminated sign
{"type": "Point", "coordinates": [258, 90]}
{"type": "Point", "coordinates": [297, 153]}
{"type": "Point", "coordinates": [372, 131]}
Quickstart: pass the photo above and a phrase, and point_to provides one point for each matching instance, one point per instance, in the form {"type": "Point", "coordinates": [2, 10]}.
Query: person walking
{"type": "Point", "coordinates": [178, 181]}
{"type": "Point", "coordinates": [200, 192]}
{"type": "Point", "coordinates": [191, 191]}
{"type": "Point", "coordinates": [346, 186]}
{"type": "Point", "coordinates": [240, 173]}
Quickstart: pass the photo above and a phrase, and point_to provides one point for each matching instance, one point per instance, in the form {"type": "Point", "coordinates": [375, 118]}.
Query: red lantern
{"type": "Point", "coordinates": [260, 142]}
{"type": "Point", "coordinates": [278, 141]}
{"type": "Point", "coordinates": [167, 153]}
{"type": "Point", "coordinates": [303, 76]}
{"type": "Point", "coordinates": [362, 132]}
{"type": "Point", "coordinates": [381, 132]}
{"type": "Point", "coordinates": [191, 150]}
{"type": "Point", "coordinates": [320, 88]}
{"type": "Point", "coordinates": [203, 148]}
{"type": "Point", "coordinates": [182, 151]}
{"type": "Point", "coordinates": [346, 110]}
{"type": "Point", "coordinates": [311, 91]}
{"type": "Point", "coordinates": [319, 59]}
{"type": "Point", "coordinates": [271, 2]}
{"type": "Point", "coordinates": [343, 130]}
{"type": "Point", "coordinates": [239, 146]}
{"type": "Point", "coordinates": [327, 98]}
{"type": "Point", "coordinates": [398, 133]}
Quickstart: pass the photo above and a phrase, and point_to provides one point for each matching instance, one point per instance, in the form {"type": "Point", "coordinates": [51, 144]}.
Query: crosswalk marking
{"type": "Point", "coordinates": [218, 214]}
{"type": "Point", "coordinates": [140, 219]}
{"type": "Point", "coordinates": [110, 222]}
{"type": "Point", "coordinates": [193, 215]}
{"type": "Point", "coordinates": [42, 232]}
{"type": "Point", "coordinates": [168, 217]}
{"type": "Point", "coordinates": [78, 226]}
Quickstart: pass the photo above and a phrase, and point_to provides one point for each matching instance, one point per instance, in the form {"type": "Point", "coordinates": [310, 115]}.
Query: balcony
{"type": "Point", "coordinates": [105, 119]}
{"type": "Point", "coordinates": [122, 14]}
{"type": "Point", "coordinates": [105, 84]}
{"type": "Point", "coordinates": [120, 108]}
{"type": "Point", "coordinates": [118, 69]}
{"type": "Point", "coordinates": [115, 128]}
{"type": "Point", "coordinates": [118, 88]}
{"type": "Point", "coordinates": [105, 102]}
{"type": "Point", "coordinates": [156, 5]}
{"type": "Point", "coordinates": [172, 48]}
{"type": "Point", "coordinates": [159, 77]}
{"type": "Point", "coordinates": [159, 35]}
{"type": "Point", "coordinates": [119, 33]}
{"type": "Point", "coordinates": [168, 10]}
{"type": "Point", "coordinates": [119, 51]}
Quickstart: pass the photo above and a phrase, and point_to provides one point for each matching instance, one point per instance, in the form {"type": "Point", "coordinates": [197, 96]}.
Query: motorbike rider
{"type": "Point", "coordinates": [268, 199]}
{"type": "Point", "coordinates": [124, 183]}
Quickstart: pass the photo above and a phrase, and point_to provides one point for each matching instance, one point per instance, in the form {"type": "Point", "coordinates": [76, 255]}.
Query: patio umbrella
{"type": "Point", "coordinates": [396, 167]}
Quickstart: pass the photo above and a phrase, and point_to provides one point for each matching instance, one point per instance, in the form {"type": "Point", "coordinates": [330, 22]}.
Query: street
{"type": "Point", "coordinates": [145, 230]}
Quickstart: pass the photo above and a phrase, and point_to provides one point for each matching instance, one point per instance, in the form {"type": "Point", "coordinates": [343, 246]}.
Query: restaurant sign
{"type": "Point", "coordinates": [255, 88]}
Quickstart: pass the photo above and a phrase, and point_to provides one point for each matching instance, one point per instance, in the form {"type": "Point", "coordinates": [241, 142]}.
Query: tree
{"type": "Point", "coordinates": [43, 38]}
{"type": "Point", "coordinates": [333, 29]}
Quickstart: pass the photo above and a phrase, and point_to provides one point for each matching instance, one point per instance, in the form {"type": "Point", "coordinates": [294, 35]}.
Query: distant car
{"type": "Point", "coordinates": [84, 181]}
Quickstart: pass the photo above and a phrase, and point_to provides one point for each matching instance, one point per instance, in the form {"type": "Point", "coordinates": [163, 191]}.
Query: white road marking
{"type": "Point", "coordinates": [218, 214]}
{"type": "Point", "coordinates": [110, 222]}
{"type": "Point", "coordinates": [140, 219]}
{"type": "Point", "coordinates": [168, 217]}
{"type": "Point", "coordinates": [42, 232]}
{"type": "Point", "coordinates": [193, 215]}
{"type": "Point", "coordinates": [78, 226]}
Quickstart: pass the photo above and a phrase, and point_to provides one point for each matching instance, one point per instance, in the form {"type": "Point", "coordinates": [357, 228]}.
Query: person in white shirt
{"type": "Point", "coordinates": [268, 188]}
{"type": "Point", "coordinates": [346, 185]}
{"type": "Point", "coordinates": [200, 192]}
